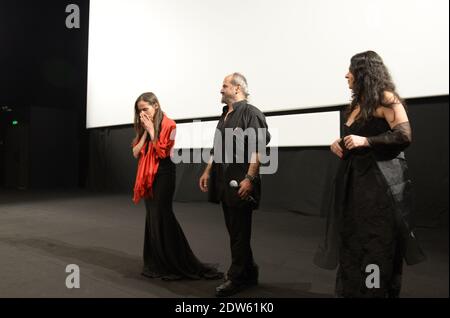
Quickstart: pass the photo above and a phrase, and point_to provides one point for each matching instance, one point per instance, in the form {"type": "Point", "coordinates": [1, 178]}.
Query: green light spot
{"type": "Point", "coordinates": [15, 122]}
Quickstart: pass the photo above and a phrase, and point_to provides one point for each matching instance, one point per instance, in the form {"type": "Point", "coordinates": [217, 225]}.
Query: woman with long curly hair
{"type": "Point", "coordinates": [167, 253]}
{"type": "Point", "coordinates": [368, 230]}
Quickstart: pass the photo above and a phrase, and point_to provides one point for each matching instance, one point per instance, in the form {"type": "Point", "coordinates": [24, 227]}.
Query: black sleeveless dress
{"type": "Point", "coordinates": [368, 221]}
{"type": "Point", "coordinates": [368, 234]}
{"type": "Point", "coordinates": [167, 254]}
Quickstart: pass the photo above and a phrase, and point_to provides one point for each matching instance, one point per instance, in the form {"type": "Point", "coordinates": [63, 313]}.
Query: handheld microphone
{"type": "Point", "coordinates": [235, 185]}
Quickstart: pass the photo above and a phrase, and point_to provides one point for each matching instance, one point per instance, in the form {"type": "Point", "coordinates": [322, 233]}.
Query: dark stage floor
{"type": "Point", "coordinates": [42, 232]}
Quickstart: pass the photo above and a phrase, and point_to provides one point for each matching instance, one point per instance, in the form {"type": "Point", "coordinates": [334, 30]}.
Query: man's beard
{"type": "Point", "coordinates": [225, 99]}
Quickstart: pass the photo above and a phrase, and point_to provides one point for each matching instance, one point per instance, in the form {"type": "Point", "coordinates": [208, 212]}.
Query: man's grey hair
{"type": "Point", "coordinates": [239, 79]}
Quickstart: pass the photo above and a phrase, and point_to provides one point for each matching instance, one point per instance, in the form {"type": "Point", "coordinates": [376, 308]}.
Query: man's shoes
{"type": "Point", "coordinates": [229, 288]}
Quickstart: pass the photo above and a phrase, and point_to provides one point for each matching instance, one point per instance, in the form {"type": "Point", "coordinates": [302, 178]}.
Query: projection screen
{"type": "Point", "coordinates": [294, 53]}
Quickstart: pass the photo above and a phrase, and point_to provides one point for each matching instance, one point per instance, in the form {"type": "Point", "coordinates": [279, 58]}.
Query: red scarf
{"type": "Point", "coordinates": [149, 162]}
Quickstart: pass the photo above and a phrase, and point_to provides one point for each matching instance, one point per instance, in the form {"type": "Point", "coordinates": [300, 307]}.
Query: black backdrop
{"type": "Point", "coordinates": [43, 73]}
{"type": "Point", "coordinates": [43, 81]}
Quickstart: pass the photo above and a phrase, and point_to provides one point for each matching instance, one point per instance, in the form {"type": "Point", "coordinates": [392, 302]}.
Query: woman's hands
{"type": "Point", "coordinates": [336, 148]}
{"type": "Point", "coordinates": [354, 141]}
{"type": "Point", "coordinates": [350, 142]}
{"type": "Point", "coordinates": [147, 123]}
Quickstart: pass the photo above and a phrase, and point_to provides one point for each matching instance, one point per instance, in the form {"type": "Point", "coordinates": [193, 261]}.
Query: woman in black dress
{"type": "Point", "coordinates": [167, 253]}
{"type": "Point", "coordinates": [369, 208]}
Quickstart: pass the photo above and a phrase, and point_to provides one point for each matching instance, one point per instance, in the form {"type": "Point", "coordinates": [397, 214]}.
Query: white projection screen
{"type": "Point", "coordinates": [294, 53]}
{"type": "Point", "coordinates": [286, 131]}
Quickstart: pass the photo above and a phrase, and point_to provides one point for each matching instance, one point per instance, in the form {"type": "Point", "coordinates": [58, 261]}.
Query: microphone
{"type": "Point", "coordinates": [235, 185]}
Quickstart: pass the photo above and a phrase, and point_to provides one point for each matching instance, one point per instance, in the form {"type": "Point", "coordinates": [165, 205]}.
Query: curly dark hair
{"type": "Point", "coordinates": [371, 81]}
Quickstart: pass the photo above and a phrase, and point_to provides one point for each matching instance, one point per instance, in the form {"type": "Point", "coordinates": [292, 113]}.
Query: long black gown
{"type": "Point", "coordinates": [167, 253]}
{"type": "Point", "coordinates": [368, 221]}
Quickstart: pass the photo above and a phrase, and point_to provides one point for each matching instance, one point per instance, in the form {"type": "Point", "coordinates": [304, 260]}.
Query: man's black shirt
{"type": "Point", "coordinates": [247, 132]}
